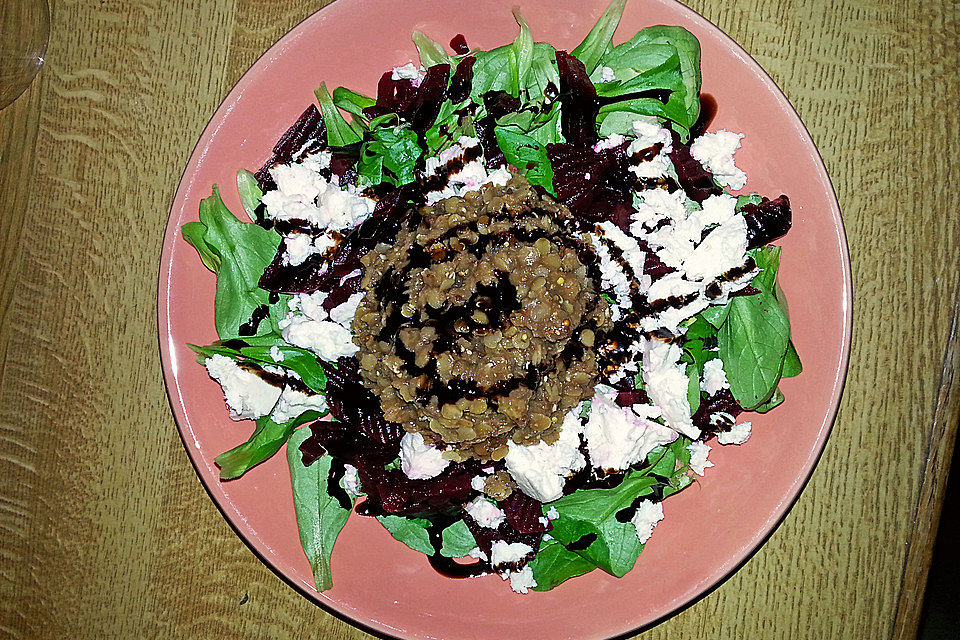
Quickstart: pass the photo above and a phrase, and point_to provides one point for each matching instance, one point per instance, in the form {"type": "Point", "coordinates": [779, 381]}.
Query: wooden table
{"type": "Point", "coordinates": [105, 530]}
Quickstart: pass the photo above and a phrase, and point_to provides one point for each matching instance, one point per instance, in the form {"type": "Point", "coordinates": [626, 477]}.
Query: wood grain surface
{"type": "Point", "coordinates": [105, 530]}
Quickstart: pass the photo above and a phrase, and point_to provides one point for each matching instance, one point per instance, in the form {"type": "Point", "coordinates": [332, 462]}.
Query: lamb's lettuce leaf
{"type": "Point", "coordinates": [600, 39]}
{"type": "Point", "coordinates": [237, 252]}
{"type": "Point", "coordinates": [457, 541]}
{"type": "Point", "coordinates": [320, 516]}
{"type": "Point", "coordinates": [265, 441]}
{"type": "Point", "coordinates": [261, 350]}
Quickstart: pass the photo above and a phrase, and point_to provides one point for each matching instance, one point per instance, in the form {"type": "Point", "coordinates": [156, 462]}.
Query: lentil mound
{"type": "Point", "coordinates": [477, 325]}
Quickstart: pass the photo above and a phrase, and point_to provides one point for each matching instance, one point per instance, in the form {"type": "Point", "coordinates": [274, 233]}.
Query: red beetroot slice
{"type": "Point", "coordinates": [523, 513]}
{"type": "Point", "coordinates": [722, 401]}
{"type": "Point", "coordinates": [767, 221]}
{"type": "Point", "coordinates": [392, 492]}
{"type": "Point", "coordinates": [308, 128]}
{"type": "Point", "coordinates": [630, 398]}
{"type": "Point", "coordinates": [578, 100]}
{"type": "Point", "coordinates": [459, 44]}
{"type": "Point", "coordinates": [594, 185]}
{"type": "Point", "coordinates": [353, 404]}
{"type": "Point", "coordinates": [462, 80]}
{"type": "Point", "coordinates": [696, 181]}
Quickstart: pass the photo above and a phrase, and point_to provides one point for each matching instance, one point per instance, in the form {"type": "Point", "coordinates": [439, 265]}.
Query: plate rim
{"type": "Point", "coordinates": [725, 569]}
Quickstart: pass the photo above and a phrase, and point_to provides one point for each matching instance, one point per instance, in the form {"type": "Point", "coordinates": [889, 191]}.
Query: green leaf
{"type": "Point", "coordinates": [693, 386]}
{"type": "Point", "coordinates": [600, 39]}
{"type": "Point", "coordinates": [261, 349]}
{"type": "Point", "coordinates": [528, 155]}
{"type": "Point", "coordinates": [593, 511]}
{"type": "Point", "coordinates": [320, 517]}
{"type": "Point", "coordinates": [339, 133]}
{"type": "Point", "coordinates": [522, 54]}
{"type": "Point", "coordinates": [266, 440]}
{"type": "Point", "coordinates": [250, 193]}
{"type": "Point", "coordinates": [555, 564]}
{"type": "Point", "coordinates": [410, 531]}
{"type": "Point", "coordinates": [715, 315]}
{"type": "Point", "coordinates": [775, 400]}
{"type": "Point", "coordinates": [432, 52]}
{"type": "Point", "coordinates": [193, 232]}
{"type": "Point", "coordinates": [244, 250]}
{"type": "Point", "coordinates": [353, 103]}
{"type": "Point", "coordinates": [753, 340]}
{"type": "Point", "coordinates": [791, 362]}
{"type": "Point", "coordinates": [390, 156]}
{"type": "Point", "coordinates": [752, 198]}
{"type": "Point", "coordinates": [457, 540]}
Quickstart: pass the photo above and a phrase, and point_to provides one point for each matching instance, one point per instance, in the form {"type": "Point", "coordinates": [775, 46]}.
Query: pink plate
{"type": "Point", "coordinates": [710, 528]}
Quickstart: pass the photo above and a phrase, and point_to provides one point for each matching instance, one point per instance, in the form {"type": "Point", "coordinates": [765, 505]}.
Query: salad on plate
{"type": "Point", "coordinates": [505, 307]}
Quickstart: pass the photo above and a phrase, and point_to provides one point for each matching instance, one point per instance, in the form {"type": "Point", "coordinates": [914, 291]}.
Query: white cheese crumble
{"type": "Point", "coordinates": [698, 457]}
{"type": "Point", "coordinates": [647, 135]}
{"type": "Point", "coordinates": [248, 396]}
{"type": "Point", "coordinates": [617, 437]}
{"type": "Point", "coordinates": [607, 74]}
{"type": "Point", "coordinates": [343, 313]}
{"type": "Point", "coordinates": [276, 354]}
{"type": "Point", "coordinates": [408, 71]}
{"type": "Point", "coordinates": [477, 553]}
{"type": "Point", "coordinates": [478, 483]}
{"type": "Point", "coordinates": [303, 194]}
{"type": "Point", "coordinates": [521, 581]}
{"type": "Point", "coordinates": [714, 377]}
{"type": "Point", "coordinates": [665, 380]}
{"type": "Point", "coordinates": [471, 177]}
{"type": "Point", "coordinates": [293, 402]}
{"type": "Point", "coordinates": [738, 434]}
{"type": "Point", "coordinates": [329, 340]}
{"type": "Point", "coordinates": [648, 514]}
{"type": "Point", "coordinates": [419, 460]}
{"type": "Point", "coordinates": [504, 553]}
{"type": "Point", "coordinates": [541, 470]}
{"type": "Point", "coordinates": [351, 480]}
{"type": "Point", "coordinates": [552, 513]}
{"type": "Point", "coordinates": [715, 152]}
{"type": "Point", "coordinates": [485, 512]}
{"type": "Point", "coordinates": [611, 142]}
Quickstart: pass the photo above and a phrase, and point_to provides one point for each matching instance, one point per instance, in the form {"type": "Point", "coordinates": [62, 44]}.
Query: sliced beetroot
{"type": "Point", "coordinates": [722, 401]}
{"type": "Point", "coordinates": [578, 100]}
{"type": "Point", "coordinates": [497, 105]}
{"type": "Point", "coordinates": [343, 441]}
{"type": "Point", "coordinates": [696, 181]}
{"type": "Point", "coordinates": [485, 536]}
{"type": "Point", "coordinates": [459, 44]}
{"type": "Point", "coordinates": [630, 398]}
{"type": "Point", "coordinates": [393, 493]}
{"type": "Point", "coordinates": [594, 185]}
{"type": "Point", "coordinates": [652, 265]}
{"type": "Point", "coordinates": [417, 105]}
{"type": "Point", "coordinates": [353, 404]}
{"type": "Point", "coordinates": [462, 80]}
{"type": "Point", "coordinates": [340, 293]}
{"type": "Point", "coordinates": [767, 221]}
{"type": "Point", "coordinates": [308, 128]}
{"type": "Point", "coordinates": [523, 513]}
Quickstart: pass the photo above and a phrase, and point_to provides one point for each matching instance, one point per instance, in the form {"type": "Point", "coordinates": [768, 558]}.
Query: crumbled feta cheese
{"type": "Point", "coordinates": [648, 514]}
{"type": "Point", "coordinates": [614, 140]}
{"type": "Point", "coordinates": [471, 176]}
{"type": "Point", "coordinates": [617, 437]}
{"type": "Point", "coordinates": [521, 581]}
{"type": "Point", "coordinates": [552, 513]}
{"type": "Point", "coordinates": [698, 457]}
{"type": "Point", "coordinates": [541, 470]}
{"type": "Point", "coordinates": [303, 194]}
{"type": "Point", "coordinates": [655, 206]}
{"type": "Point", "coordinates": [647, 135]}
{"type": "Point", "coordinates": [715, 152]}
{"type": "Point", "coordinates": [714, 378]}
{"type": "Point", "coordinates": [325, 338]}
{"type": "Point", "coordinates": [408, 71]}
{"type": "Point", "coordinates": [629, 249]}
{"type": "Point", "coordinates": [351, 480]}
{"type": "Point", "coordinates": [485, 512]}
{"type": "Point", "coordinates": [248, 396]}
{"type": "Point", "coordinates": [299, 247]}
{"type": "Point", "coordinates": [477, 553]}
{"type": "Point", "coordinates": [343, 313]}
{"type": "Point", "coordinates": [419, 460]}
{"type": "Point", "coordinates": [738, 434]}
{"type": "Point", "coordinates": [276, 354]}
{"type": "Point", "coordinates": [674, 285]}
{"type": "Point", "coordinates": [665, 380]}
{"type": "Point", "coordinates": [292, 403]}
{"type": "Point", "coordinates": [310, 305]}
{"type": "Point", "coordinates": [478, 483]}
{"type": "Point", "coordinates": [504, 553]}
{"type": "Point", "coordinates": [612, 276]}
{"type": "Point", "coordinates": [607, 74]}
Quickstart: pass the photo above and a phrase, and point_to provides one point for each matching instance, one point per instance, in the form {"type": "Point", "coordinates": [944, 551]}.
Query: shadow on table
{"type": "Point", "coordinates": [940, 619]}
